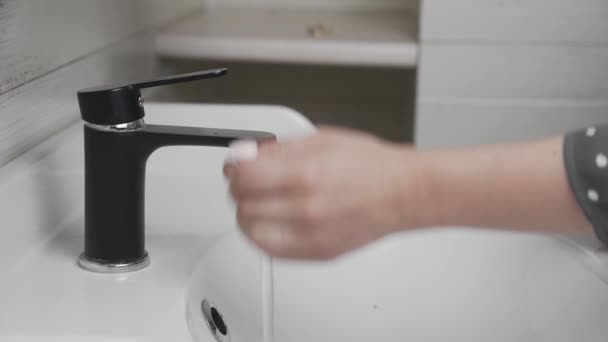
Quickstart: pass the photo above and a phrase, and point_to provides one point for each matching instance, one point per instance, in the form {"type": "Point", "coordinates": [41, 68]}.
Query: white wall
{"type": "Point", "coordinates": [50, 49]}
{"type": "Point", "coordinates": [560, 21]}
{"type": "Point", "coordinates": [510, 69]}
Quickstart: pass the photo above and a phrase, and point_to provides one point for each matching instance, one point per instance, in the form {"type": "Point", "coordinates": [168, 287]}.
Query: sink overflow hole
{"type": "Point", "coordinates": [215, 321]}
{"type": "Point", "coordinates": [219, 321]}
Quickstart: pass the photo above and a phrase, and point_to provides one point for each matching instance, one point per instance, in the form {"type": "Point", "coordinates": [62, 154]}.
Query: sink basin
{"type": "Point", "coordinates": [441, 285]}
{"type": "Point", "coordinates": [207, 283]}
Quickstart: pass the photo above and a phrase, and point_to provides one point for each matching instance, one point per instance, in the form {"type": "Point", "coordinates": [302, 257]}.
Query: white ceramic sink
{"type": "Point", "coordinates": [451, 284]}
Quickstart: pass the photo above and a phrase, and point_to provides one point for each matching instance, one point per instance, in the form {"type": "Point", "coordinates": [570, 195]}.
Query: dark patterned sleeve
{"type": "Point", "coordinates": [586, 159]}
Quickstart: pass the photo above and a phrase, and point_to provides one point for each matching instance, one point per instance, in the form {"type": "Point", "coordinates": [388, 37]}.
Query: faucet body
{"type": "Point", "coordinates": [115, 165]}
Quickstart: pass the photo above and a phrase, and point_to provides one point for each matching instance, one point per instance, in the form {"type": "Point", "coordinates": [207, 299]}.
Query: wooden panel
{"type": "Point", "coordinates": [513, 71]}
{"type": "Point", "coordinates": [377, 100]}
{"type": "Point", "coordinates": [41, 107]}
{"type": "Point", "coordinates": [516, 20]}
{"type": "Point", "coordinates": [279, 80]}
{"type": "Point", "coordinates": [39, 36]}
{"type": "Point", "coordinates": [467, 123]}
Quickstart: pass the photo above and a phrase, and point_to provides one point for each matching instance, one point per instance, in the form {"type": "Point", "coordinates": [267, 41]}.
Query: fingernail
{"type": "Point", "coordinates": [243, 150]}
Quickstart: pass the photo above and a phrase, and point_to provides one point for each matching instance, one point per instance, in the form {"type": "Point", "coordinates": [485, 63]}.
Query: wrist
{"type": "Point", "coordinates": [416, 203]}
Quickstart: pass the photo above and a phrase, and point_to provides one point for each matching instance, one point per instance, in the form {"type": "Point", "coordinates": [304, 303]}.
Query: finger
{"type": "Point", "coordinates": [240, 150]}
{"type": "Point", "coordinates": [269, 209]}
{"type": "Point", "coordinates": [303, 211]}
{"type": "Point", "coordinates": [262, 177]}
{"type": "Point", "coordinates": [285, 242]}
{"type": "Point", "coordinates": [280, 172]}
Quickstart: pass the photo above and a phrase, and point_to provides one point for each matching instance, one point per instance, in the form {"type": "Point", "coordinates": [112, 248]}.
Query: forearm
{"type": "Point", "coordinates": [513, 186]}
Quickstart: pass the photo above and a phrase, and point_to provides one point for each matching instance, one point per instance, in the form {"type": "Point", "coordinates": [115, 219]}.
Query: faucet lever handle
{"type": "Point", "coordinates": [182, 78]}
{"type": "Point", "coordinates": [122, 103]}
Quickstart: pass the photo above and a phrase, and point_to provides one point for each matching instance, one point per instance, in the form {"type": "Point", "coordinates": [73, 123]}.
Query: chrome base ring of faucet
{"type": "Point", "coordinates": [112, 267]}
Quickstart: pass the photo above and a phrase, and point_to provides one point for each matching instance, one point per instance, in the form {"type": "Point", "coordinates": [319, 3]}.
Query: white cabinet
{"type": "Point", "coordinates": [494, 70]}
{"type": "Point", "coordinates": [343, 62]}
{"type": "Point", "coordinates": [338, 32]}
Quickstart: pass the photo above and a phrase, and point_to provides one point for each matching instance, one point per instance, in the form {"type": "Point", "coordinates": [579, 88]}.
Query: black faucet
{"type": "Point", "coordinates": [117, 144]}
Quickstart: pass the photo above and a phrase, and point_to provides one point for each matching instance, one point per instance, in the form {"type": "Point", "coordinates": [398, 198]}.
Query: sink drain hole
{"type": "Point", "coordinates": [219, 321]}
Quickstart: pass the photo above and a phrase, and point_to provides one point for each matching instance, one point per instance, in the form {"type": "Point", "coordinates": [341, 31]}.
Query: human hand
{"type": "Point", "coordinates": [322, 196]}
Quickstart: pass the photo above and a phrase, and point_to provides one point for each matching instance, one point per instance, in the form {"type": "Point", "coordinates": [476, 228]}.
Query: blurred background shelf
{"type": "Point", "coordinates": [296, 36]}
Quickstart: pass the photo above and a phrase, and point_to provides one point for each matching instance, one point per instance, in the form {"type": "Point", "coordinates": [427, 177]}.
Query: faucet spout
{"type": "Point", "coordinates": [156, 136]}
